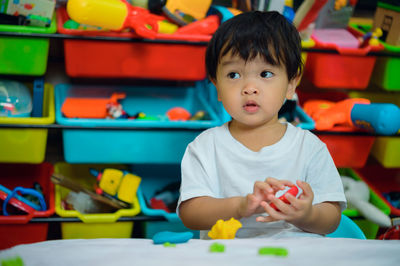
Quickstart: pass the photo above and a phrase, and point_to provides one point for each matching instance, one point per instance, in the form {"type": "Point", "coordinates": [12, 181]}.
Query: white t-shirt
{"type": "Point", "coordinates": [217, 165]}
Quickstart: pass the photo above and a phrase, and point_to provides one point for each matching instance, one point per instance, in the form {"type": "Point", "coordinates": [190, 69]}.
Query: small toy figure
{"type": "Point", "coordinates": [225, 229]}
{"type": "Point", "coordinates": [115, 111]}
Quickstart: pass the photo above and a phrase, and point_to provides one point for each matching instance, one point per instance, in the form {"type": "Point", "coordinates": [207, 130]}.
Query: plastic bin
{"type": "Point", "coordinates": [347, 149]}
{"type": "Point", "coordinates": [350, 69]}
{"type": "Point", "coordinates": [25, 55]}
{"type": "Point", "coordinates": [385, 73]}
{"type": "Point", "coordinates": [381, 180]}
{"type": "Point", "coordinates": [385, 149]}
{"type": "Point", "coordinates": [93, 225]}
{"type": "Point", "coordinates": [160, 59]}
{"type": "Point", "coordinates": [17, 229]}
{"type": "Point", "coordinates": [136, 141]}
{"type": "Point", "coordinates": [27, 145]}
{"type": "Point", "coordinates": [154, 179]}
{"type": "Point", "coordinates": [369, 228]}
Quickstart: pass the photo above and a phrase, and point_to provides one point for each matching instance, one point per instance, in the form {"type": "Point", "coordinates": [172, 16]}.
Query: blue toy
{"type": "Point", "coordinates": [172, 237]}
{"type": "Point", "coordinates": [23, 191]}
{"type": "Point", "coordinates": [15, 99]}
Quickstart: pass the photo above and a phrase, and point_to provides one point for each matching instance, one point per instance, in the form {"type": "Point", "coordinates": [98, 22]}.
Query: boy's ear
{"type": "Point", "coordinates": [292, 87]}
{"type": "Point", "coordinates": [213, 81]}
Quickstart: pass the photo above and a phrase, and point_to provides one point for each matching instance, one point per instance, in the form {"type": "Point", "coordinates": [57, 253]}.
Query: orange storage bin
{"type": "Point", "coordinates": [17, 229]}
{"type": "Point", "coordinates": [350, 69]}
{"type": "Point", "coordinates": [169, 57]}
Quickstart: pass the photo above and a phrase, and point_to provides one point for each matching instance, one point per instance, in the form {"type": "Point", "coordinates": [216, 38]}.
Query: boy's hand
{"type": "Point", "coordinates": [296, 212]}
{"type": "Point", "coordinates": [262, 190]}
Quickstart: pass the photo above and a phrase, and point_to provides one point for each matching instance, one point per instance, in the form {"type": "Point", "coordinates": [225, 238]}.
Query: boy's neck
{"type": "Point", "coordinates": [255, 138]}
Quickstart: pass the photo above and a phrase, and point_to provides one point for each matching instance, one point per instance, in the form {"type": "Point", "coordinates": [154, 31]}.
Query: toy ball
{"type": "Point", "coordinates": [178, 113]}
{"type": "Point", "coordinates": [15, 99]}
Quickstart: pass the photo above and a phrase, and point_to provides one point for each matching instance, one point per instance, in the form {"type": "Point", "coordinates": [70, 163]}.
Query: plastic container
{"type": "Point", "coordinates": [160, 59]}
{"type": "Point", "coordinates": [17, 229]}
{"type": "Point", "coordinates": [385, 149]}
{"type": "Point", "coordinates": [381, 180]}
{"type": "Point", "coordinates": [25, 55]}
{"type": "Point", "coordinates": [15, 99]}
{"type": "Point", "coordinates": [137, 141]}
{"type": "Point", "coordinates": [385, 73]}
{"type": "Point", "coordinates": [369, 228]}
{"type": "Point", "coordinates": [347, 149]}
{"type": "Point", "coordinates": [93, 225]}
{"type": "Point", "coordinates": [154, 179]}
{"type": "Point", "coordinates": [350, 69]}
{"type": "Point", "coordinates": [27, 145]}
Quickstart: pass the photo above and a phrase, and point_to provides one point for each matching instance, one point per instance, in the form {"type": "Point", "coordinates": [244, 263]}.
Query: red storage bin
{"type": "Point", "coordinates": [381, 180]}
{"type": "Point", "coordinates": [16, 229]}
{"type": "Point", "coordinates": [182, 60]}
{"type": "Point", "coordinates": [347, 149]}
{"type": "Point", "coordinates": [350, 69]}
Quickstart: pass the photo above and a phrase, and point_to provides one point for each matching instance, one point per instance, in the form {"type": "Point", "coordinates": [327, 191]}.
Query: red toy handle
{"type": "Point", "coordinates": [293, 190]}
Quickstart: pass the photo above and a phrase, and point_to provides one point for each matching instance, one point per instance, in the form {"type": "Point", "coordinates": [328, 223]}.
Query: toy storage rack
{"type": "Point", "coordinates": [55, 126]}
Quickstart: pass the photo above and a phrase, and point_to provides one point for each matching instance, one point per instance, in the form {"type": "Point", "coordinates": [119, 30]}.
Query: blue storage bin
{"type": "Point", "coordinates": [136, 141]}
{"type": "Point", "coordinates": [154, 178]}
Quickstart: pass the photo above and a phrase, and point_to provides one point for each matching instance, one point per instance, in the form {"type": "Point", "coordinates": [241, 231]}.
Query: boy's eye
{"type": "Point", "coordinates": [233, 75]}
{"type": "Point", "coordinates": [266, 74]}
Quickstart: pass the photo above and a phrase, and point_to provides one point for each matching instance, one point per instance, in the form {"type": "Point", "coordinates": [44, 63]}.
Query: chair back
{"type": "Point", "coordinates": [347, 229]}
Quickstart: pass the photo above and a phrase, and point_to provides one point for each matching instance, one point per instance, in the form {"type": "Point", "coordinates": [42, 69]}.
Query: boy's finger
{"type": "Point", "coordinates": [278, 184]}
{"type": "Point", "coordinates": [307, 191]}
{"type": "Point", "coordinates": [263, 186]}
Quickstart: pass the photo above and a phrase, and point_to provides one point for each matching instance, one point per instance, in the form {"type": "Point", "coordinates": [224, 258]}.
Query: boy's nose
{"type": "Point", "coordinates": [249, 89]}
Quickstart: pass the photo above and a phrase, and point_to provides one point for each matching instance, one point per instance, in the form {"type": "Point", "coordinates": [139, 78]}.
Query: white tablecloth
{"type": "Point", "coordinates": [120, 252]}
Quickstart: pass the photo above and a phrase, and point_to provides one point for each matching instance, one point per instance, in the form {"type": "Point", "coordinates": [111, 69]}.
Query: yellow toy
{"type": "Point", "coordinates": [118, 184]}
{"type": "Point", "coordinates": [186, 11]}
{"type": "Point", "coordinates": [225, 229]}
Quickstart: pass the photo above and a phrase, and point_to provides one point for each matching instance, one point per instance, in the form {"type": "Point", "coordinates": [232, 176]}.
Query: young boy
{"type": "Point", "coordinates": [235, 170]}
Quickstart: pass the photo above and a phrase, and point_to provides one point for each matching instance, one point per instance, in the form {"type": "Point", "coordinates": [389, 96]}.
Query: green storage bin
{"type": "Point", "coordinates": [369, 228]}
{"type": "Point", "coordinates": [24, 55]}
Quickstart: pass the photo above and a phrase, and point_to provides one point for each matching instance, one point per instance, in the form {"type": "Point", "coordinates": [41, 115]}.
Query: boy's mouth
{"type": "Point", "coordinates": [251, 106]}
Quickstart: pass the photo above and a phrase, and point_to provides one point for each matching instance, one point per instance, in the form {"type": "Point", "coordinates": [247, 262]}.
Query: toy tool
{"type": "Point", "coordinates": [293, 191]}
{"type": "Point", "coordinates": [76, 187]}
{"type": "Point", "coordinates": [89, 107]}
{"type": "Point", "coordinates": [379, 118]}
{"type": "Point", "coordinates": [114, 15]}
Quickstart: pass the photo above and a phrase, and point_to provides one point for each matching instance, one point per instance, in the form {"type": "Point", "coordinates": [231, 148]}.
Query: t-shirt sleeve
{"type": "Point", "coordinates": [324, 178]}
{"type": "Point", "coordinates": [197, 178]}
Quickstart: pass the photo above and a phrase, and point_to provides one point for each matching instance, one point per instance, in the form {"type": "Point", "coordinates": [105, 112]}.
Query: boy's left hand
{"type": "Point", "coordinates": [295, 212]}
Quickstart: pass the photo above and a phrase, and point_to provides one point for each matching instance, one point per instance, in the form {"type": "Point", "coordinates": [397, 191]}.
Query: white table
{"type": "Point", "coordinates": [119, 252]}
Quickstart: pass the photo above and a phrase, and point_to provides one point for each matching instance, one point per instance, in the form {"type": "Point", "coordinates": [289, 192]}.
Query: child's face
{"type": "Point", "coordinates": [252, 92]}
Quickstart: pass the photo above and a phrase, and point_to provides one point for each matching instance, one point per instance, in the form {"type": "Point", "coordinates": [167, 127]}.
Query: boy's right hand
{"type": "Point", "coordinates": [251, 203]}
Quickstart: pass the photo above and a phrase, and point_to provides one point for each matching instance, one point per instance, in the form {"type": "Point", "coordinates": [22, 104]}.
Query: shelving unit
{"type": "Point", "coordinates": [55, 129]}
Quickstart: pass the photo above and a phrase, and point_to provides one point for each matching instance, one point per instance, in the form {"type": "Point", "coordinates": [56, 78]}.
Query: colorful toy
{"type": "Point", "coordinates": [293, 191]}
{"type": "Point", "coordinates": [371, 38]}
{"type": "Point", "coordinates": [183, 12]}
{"type": "Point", "coordinates": [379, 118]}
{"type": "Point", "coordinates": [217, 248]}
{"type": "Point", "coordinates": [307, 13]}
{"type": "Point", "coordinates": [119, 184]}
{"type": "Point", "coordinates": [206, 26]}
{"type": "Point", "coordinates": [14, 198]}
{"type": "Point", "coordinates": [178, 113]}
{"type": "Point", "coordinates": [225, 229]}
{"type": "Point", "coordinates": [172, 237]}
{"type": "Point", "coordinates": [274, 251]}
{"type": "Point", "coordinates": [357, 195]}
{"type": "Point", "coordinates": [114, 15]}
{"type": "Point", "coordinates": [74, 107]}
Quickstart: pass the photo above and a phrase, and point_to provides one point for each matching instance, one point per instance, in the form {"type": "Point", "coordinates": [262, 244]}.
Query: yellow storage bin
{"type": "Point", "coordinates": [93, 225]}
{"type": "Point", "coordinates": [385, 149]}
{"type": "Point", "coordinates": [27, 145]}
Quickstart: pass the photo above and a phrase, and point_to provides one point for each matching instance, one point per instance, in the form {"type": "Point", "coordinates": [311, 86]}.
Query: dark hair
{"type": "Point", "coordinates": [254, 33]}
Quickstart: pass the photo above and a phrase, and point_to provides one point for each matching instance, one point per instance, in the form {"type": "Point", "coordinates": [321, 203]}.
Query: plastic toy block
{"type": "Point", "coordinates": [274, 251]}
{"type": "Point", "coordinates": [217, 247]}
{"type": "Point", "coordinates": [172, 237]}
